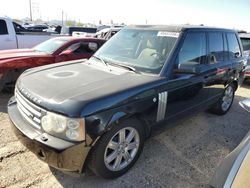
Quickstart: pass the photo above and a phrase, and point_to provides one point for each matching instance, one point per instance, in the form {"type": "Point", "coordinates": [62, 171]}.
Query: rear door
{"type": "Point", "coordinates": [218, 59]}
{"type": "Point", "coordinates": [7, 38]}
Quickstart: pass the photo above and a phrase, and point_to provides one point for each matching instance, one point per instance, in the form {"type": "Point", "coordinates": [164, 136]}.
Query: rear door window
{"type": "Point", "coordinates": [216, 47]}
{"type": "Point", "coordinates": [233, 46]}
{"type": "Point", "coordinates": [3, 28]}
{"type": "Point", "coordinates": [193, 50]}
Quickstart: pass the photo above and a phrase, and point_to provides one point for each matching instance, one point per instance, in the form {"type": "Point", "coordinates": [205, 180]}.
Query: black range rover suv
{"type": "Point", "coordinates": [97, 113]}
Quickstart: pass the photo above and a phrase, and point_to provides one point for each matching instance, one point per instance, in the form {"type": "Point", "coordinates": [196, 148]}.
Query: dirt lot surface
{"type": "Point", "coordinates": [184, 155]}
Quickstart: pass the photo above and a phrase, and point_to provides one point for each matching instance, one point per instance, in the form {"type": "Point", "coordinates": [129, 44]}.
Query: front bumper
{"type": "Point", "coordinates": [58, 153]}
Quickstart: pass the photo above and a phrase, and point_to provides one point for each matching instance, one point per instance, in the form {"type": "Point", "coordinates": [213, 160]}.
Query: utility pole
{"type": "Point", "coordinates": [30, 10]}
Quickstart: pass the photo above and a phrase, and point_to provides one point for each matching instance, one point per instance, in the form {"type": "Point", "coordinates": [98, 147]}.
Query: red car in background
{"type": "Point", "coordinates": [14, 62]}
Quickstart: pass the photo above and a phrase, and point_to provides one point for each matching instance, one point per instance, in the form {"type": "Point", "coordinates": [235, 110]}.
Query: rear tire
{"type": "Point", "coordinates": [118, 149]}
{"type": "Point", "coordinates": [225, 102]}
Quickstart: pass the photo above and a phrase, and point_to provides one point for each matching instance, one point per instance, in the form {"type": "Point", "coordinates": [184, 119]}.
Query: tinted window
{"type": "Point", "coordinates": [193, 49]}
{"type": "Point", "coordinates": [233, 45]}
{"type": "Point", "coordinates": [86, 48]}
{"type": "Point", "coordinates": [216, 47]}
{"type": "Point", "coordinates": [3, 28]}
{"type": "Point", "coordinates": [245, 43]}
{"type": "Point", "coordinates": [18, 28]}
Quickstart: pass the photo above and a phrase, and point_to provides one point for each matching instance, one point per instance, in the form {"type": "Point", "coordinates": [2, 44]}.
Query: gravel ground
{"type": "Point", "coordinates": [184, 155]}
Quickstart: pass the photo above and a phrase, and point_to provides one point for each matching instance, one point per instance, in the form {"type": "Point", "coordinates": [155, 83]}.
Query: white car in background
{"type": "Point", "coordinates": [107, 33]}
{"type": "Point", "coordinates": [13, 35]}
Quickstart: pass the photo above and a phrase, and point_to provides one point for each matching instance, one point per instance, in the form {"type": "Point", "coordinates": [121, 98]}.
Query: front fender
{"type": "Point", "coordinates": [98, 124]}
{"type": "Point", "coordinates": [116, 117]}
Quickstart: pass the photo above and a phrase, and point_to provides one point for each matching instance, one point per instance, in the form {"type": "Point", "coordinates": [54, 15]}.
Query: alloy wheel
{"type": "Point", "coordinates": [227, 98]}
{"type": "Point", "coordinates": [122, 149]}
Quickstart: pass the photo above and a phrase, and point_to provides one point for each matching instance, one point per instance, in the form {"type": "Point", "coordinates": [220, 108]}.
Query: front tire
{"type": "Point", "coordinates": [225, 102]}
{"type": "Point", "coordinates": [118, 149]}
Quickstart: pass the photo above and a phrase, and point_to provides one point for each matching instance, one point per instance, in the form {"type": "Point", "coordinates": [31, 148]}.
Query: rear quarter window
{"type": "Point", "coordinates": [3, 28]}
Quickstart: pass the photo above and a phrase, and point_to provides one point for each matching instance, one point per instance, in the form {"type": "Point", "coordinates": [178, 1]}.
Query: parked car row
{"type": "Point", "coordinates": [96, 114]}
{"type": "Point", "coordinates": [14, 36]}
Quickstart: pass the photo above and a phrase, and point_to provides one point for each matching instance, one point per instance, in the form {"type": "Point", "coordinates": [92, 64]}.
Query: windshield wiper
{"type": "Point", "coordinates": [116, 64]}
{"type": "Point", "coordinates": [100, 59]}
{"type": "Point", "coordinates": [126, 67]}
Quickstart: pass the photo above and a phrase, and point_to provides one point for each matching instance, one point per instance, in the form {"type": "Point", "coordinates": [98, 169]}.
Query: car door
{"type": "Point", "coordinates": [218, 58]}
{"type": "Point", "coordinates": [187, 93]}
{"type": "Point", "coordinates": [7, 39]}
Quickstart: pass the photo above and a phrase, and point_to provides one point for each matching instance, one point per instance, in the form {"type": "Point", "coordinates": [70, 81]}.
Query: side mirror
{"type": "Point", "coordinates": [237, 54]}
{"type": "Point", "coordinates": [188, 68]}
{"type": "Point", "coordinates": [245, 104]}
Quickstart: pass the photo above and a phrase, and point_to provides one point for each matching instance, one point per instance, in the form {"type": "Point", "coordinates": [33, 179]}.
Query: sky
{"type": "Point", "coordinates": [221, 13]}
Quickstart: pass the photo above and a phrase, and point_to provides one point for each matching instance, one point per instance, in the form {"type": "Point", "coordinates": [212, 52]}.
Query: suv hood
{"type": "Point", "coordinates": [76, 89]}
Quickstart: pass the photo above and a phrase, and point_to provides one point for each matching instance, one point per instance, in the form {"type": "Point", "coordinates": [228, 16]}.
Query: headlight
{"type": "Point", "coordinates": [64, 127]}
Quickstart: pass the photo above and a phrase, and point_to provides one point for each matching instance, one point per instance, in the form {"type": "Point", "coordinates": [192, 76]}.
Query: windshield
{"type": "Point", "coordinates": [144, 50]}
{"type": "Point", "coordinates": [50, 45]}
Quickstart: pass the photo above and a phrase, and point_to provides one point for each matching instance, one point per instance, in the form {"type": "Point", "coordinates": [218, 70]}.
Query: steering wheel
{"type": "Point", "coordinates": [158, 56]}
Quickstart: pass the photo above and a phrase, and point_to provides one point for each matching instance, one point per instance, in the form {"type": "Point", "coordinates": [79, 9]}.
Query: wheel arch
{"type": "Point", "coordinates": [121, 116]}
{"type": "Point", "coordinates": [115, 119]}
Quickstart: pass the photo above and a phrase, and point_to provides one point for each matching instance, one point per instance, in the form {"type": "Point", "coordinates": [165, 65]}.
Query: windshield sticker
{"type": "Point", "coordinates": [167, 34]}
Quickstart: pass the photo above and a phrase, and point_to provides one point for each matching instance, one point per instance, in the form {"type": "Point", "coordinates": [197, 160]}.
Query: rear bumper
{"type": "Point", "coordinates": [58, 153]}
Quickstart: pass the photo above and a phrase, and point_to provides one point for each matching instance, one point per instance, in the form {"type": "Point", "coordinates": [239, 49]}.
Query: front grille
{"type": "Point", "coordinates": [30, 112]}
